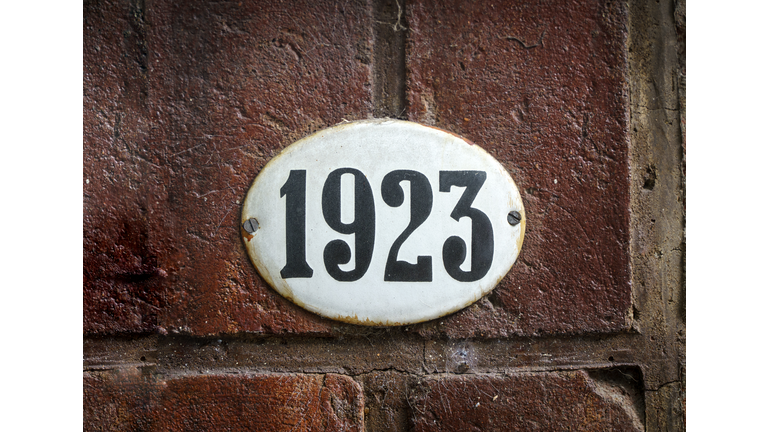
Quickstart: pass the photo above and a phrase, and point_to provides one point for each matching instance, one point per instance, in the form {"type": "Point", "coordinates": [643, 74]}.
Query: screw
{"type": "Point", "coordinates": [514, 218]}
{"type": "Point", "coordinates": [251, 225]}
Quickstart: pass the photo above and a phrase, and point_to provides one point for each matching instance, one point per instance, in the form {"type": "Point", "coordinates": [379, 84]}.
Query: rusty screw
{"type": "Point", "coordinates": [251, 225]}
{"type": "Point", "coordinates": [513, 218]}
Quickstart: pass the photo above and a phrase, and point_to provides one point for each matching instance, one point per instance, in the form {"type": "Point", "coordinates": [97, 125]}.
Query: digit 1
{"type": "Point", "coordinates": [454, 249]}
{"type": "Point", "coordinates": [295, 192]}
{"type": "Point", "coordinates": [363, 226]}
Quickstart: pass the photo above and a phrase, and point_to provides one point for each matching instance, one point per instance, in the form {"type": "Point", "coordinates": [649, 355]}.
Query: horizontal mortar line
{"type": "Point", "coordinates": [214, 370]}
{"type": "Point", "coordinates": [354, 355]}
{"type": "Point", "coordinates": [220, 371]}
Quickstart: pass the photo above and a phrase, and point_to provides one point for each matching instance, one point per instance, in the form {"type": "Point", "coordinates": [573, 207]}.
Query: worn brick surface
{"type": "Point", "coordinates": [128, 400]}
{"type": "Point", "coordinates": [542, 87]}
{"type": "Point", "coordinates": [556, 401]}
{"type": "Point", "coordinates": [386, 401]}
{"type": "Point", "coordinates": [183, 103]}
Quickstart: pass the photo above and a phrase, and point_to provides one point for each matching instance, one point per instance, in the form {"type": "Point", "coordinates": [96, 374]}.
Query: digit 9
{"type": "Point", "coordinates": [338, 252]}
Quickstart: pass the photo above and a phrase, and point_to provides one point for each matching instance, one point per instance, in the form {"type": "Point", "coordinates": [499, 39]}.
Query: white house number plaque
{"type": "Point", "coordinates": [383, 222]}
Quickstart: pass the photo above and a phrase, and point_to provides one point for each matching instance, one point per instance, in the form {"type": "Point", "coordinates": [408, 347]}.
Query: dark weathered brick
{"type": "Point", "coordinates": [386, 401]}
{"type": "Point", "coordinates": [556, 401]}
{"type": "Point", "coordinates": [129, 400]}
{"type": "Point", "coordinates": [184, 103]}
{"type": "Point", "coordinates": [542, 87]}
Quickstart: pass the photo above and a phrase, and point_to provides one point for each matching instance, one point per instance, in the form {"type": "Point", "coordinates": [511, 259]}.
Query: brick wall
{"type": "Point", "coordinates": [185, 102]}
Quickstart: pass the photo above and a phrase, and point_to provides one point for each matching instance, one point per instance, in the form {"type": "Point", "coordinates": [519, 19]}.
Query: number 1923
{"type": "Point", "coordinates": [338, 252]}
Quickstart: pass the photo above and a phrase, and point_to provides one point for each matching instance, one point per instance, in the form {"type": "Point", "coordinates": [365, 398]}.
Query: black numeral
{"type": "Point", "coordinates": [454, 249]}
{"type": "Point", "coordinates": [363, 226]}
{"type": "Point", "coordinates": [295, 192]}
{"type": "Point", "coordinates": [421, 205]}
{"type": "Point", "coordinates": [338, 252]}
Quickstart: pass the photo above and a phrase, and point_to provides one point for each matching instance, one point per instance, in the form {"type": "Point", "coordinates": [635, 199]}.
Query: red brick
{"type": "Point", "coordinates": [386, 403]}
{"type": "Point", "coordinates": [184, 103]}
{"type": "Point", "coordinates": [556, 401]}
{"type": "Point", "coordinates": [128, 400]}
{"type": "Point", "coordinates": [542, 87]}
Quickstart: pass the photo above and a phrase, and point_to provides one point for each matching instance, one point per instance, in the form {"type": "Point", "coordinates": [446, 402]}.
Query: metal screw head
{"type": "Point", "coordinates": [251, 225]}
{"type": "Point", "coordinates": [514, 218]}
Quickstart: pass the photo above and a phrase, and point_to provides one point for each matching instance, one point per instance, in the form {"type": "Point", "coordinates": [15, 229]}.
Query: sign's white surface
{"type": "Point", "coordinates": [383, 222]}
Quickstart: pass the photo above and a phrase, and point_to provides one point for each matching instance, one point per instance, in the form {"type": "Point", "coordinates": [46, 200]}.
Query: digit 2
{"type": "Point", "coordinates": [421, 206]}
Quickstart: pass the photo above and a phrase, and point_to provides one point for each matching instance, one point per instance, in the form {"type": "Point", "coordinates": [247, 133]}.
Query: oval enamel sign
{"type": "Point", "coordinates": [383, 222]}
